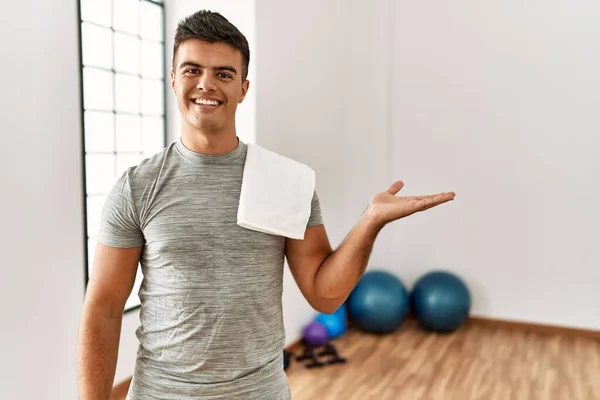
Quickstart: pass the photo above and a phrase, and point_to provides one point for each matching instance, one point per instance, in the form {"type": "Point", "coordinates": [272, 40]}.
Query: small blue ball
{"type": "Point", "coordinates": [335, 323]}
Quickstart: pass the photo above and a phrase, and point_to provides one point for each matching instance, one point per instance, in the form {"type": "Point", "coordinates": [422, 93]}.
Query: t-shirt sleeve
{"type": "Point", "coordinates": [315, 215]}
{"type": "Point", "coordinates": [120, 223]}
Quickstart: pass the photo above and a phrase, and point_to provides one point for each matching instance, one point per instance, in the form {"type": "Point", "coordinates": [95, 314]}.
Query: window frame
{"type": "Point", "coordinates": [115, 112]}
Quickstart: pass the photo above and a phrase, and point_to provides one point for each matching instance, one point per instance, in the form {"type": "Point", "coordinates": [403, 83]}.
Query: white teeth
{"type": "Point", "coordinates": [206, 102]}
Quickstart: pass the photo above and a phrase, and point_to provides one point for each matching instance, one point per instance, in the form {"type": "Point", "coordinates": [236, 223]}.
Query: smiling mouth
{"type": "Point", "coordinates": [207, 104]}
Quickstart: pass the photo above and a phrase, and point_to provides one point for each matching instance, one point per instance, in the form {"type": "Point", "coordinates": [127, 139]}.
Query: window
{"type": "Point", "coordinates": [123, 100]}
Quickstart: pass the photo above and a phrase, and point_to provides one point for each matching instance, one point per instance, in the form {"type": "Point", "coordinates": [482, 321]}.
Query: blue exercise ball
{"type": "Point", "coordinates": [441, 301]}
{"type": "Point", "coordinates": [378, 303]}
{"type": "Point", "coordinates": [335, 322]}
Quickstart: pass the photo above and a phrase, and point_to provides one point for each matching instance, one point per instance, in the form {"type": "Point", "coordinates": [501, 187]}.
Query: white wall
{"type": "Point", "coordinates": [301, 110]}
{"type": "Point", "coordinates": [241, 14]}
{"type": "Point", "coordinates": [499, 101]}
{"type": "Point", "coordinates": [322, 99]}
{"type": "Point", "coordinates": [42, 221]}
{"type": "Point", "coordinates": [42, 233]}
{"type": "Point", "coordinates": [494, 102]}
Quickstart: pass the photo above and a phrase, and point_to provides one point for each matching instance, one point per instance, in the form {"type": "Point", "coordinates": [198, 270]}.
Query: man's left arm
{"type": "Point", "coordinates": [325, 277]}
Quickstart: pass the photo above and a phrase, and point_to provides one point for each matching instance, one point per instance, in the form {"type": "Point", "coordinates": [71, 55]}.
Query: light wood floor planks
{"type": "Point", "coordinates": [478, 362]}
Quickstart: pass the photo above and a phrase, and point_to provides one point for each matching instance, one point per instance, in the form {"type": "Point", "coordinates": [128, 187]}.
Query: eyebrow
{"type": "Point", "coordinates": [218, 68]}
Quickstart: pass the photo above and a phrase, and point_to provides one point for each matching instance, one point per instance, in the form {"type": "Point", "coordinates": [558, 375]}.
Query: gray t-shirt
{"type": "Point", "coordinates": [211, 315]}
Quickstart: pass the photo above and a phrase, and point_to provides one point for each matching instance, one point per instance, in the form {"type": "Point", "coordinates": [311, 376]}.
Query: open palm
{"type": "Point", "coordinates": [387, 207]}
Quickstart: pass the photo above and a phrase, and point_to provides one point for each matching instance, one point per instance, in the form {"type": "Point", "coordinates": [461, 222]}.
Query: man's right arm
{"type": "Point", "coordinates": [111, 283]}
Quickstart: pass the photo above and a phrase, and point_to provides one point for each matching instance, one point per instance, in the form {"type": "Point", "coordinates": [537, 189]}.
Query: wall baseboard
{"type": "Point", "coordinates": [534, 327]}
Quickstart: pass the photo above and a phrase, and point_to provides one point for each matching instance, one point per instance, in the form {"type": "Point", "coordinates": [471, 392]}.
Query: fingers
{"type": "Point", "coordinates": [395, 187]}
{"type": "Point", "coordinates": [426, 196]}
{"type": "Point", "coordinates": [426, 202]}
{"type": "Point", "coordinates": [441, 198]}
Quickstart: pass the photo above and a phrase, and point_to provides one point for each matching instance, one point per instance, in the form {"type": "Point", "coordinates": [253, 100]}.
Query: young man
{"type": "Point", "coordinates": [211, 315]}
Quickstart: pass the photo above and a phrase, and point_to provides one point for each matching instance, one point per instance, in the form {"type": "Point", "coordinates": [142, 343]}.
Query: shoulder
{"type": "Point", "coordinates": [148, 169]}
{"type": "Point", "coordinates": [264, 155]}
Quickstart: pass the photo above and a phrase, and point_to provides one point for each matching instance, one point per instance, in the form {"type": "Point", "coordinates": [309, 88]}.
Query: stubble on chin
{"type": "Point", "coordinates": [205, 125]}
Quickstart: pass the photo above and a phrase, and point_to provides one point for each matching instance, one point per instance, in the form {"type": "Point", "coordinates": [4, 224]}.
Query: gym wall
{"type": "Point", "coordinates": [498, 101]}
{"type": "Point", "coordinates": [41, 233]}
{"type": "Point", "coordinates": [494, 101]}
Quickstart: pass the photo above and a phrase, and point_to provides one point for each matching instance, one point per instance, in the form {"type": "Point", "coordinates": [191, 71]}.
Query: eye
{"type": "Point", "coordinates": [193, 71]}
{"type": "Point", "coordinates": [224, 75]}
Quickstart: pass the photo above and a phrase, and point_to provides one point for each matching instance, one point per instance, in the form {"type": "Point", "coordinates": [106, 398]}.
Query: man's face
{"type": "Point", "coordinates": [207, 80]}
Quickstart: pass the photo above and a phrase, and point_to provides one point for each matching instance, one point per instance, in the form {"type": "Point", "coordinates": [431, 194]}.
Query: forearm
{"type": "Point", "coordinates": [341, 271]}
{"type": "Point", "coordinates": [97, 351]}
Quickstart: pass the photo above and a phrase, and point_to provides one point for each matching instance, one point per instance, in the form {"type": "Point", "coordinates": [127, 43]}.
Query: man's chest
{"type": "Point", "coordinates": [205, 225]}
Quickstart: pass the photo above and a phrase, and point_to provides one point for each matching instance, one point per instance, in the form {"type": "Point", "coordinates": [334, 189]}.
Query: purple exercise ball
{"type": "Point", "coordinates": [315, 334]}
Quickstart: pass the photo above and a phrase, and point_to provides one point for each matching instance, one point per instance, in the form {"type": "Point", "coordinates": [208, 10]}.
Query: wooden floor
{"type": "Point", "coordinates": [478, 362]}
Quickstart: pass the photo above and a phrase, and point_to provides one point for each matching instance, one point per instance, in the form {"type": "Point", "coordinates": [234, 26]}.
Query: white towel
{"type": "Point", "coordinates": [277, 192]}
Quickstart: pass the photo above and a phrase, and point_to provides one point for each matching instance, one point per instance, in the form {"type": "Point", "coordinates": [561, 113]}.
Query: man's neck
{"type": "Point", "coordinates": [210, 143]}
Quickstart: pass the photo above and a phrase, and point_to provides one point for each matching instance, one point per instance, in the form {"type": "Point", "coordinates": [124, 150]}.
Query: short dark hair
{"type": "Point", "coordinates": [212, 27]}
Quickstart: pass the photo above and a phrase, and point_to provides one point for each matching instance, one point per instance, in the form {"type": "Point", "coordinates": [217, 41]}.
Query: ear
{"type": "Point", "coordinates": [173, 83]}
{"type": "Point", "coordinates": [245, 86]}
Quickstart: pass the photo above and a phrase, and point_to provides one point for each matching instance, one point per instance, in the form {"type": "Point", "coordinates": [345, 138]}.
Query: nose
{"type": "Point", "coordinates": [206, 83]}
